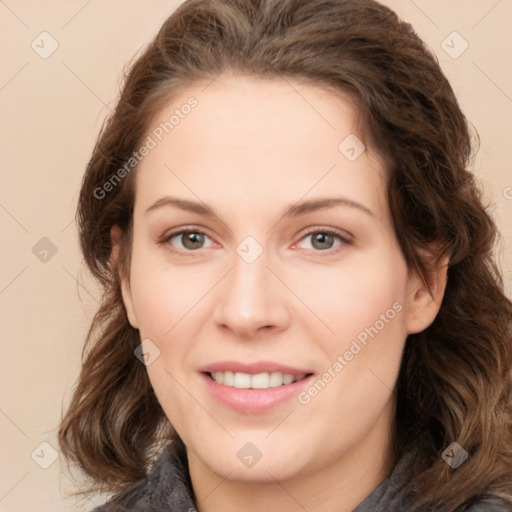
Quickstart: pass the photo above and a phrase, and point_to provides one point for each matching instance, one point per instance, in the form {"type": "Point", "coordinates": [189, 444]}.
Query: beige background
{"type": "Point", "coordinates": [52, 110]}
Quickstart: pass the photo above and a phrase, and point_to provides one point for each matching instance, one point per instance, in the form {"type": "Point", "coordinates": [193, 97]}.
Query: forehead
{"type": "Point", "coordinates": [257, 137]}
{"type": "Point", "coordinates": [269, 112]}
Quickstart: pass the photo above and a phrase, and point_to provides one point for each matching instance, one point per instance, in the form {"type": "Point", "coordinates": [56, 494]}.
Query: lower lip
{"type": "Point", "coordinates": [254, 400]}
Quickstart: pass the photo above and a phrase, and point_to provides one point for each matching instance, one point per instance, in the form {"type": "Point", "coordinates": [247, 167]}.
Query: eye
{"type": "Point", "coordinates": [190, 240]}
{"type": "Point", "coordinates": [325, 239]}
{"type": "Point", "coordinates": [186, 240]}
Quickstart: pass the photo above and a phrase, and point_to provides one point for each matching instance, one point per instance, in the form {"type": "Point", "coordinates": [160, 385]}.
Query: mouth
{"type": "Point", "coordinates": [255, 387]}
{"type": "Point", "coordinates": [265, 380]}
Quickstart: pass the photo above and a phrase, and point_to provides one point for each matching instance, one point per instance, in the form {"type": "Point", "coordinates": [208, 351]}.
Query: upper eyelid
{"type": "Point", "coordinates": [186, 229]}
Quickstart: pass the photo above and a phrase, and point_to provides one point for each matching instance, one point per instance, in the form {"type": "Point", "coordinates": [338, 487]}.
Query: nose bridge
{"type": "Point", "coordinates": [250, 296]}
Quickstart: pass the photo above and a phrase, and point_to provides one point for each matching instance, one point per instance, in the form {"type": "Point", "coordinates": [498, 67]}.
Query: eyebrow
{"type": "Point", "coordinates": [293, 210]}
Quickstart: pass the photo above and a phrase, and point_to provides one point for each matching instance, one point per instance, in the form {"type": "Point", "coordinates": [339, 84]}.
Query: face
{"type": "Point", "coordinates": [266, 279]}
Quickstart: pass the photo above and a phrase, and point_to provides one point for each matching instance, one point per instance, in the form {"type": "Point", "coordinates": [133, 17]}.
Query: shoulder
{"type": "Point", "coordinates": [167, 487]}
{"type": "Point", "coordinates": [127, 500]}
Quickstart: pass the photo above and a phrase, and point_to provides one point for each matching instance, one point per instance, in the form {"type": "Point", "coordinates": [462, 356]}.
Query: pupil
{"type": "Point", "coordinates": [322, 238]}
{"type": "Point", "coordinates": [193, 240]}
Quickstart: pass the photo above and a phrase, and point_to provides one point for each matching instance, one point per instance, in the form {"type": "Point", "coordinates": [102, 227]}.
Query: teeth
{"type": "Point", "coordinates": [242, 380]}
{"type": "Point", "coordinates": [259, 381]}
{"type": "Point", "coordinates": [228, 379]}
{"type": "Point", "coordinates": [275, 380]}
{"type": "Point", "coordinates": [287, 378]}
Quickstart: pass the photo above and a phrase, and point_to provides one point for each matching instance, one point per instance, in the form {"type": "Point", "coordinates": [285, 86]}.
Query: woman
{"type": "Point", "coordinates": [301, 310]}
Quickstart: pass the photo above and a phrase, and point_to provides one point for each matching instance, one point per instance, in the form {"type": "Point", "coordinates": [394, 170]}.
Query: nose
{"type": "Point", "coordinates": [252, 300]}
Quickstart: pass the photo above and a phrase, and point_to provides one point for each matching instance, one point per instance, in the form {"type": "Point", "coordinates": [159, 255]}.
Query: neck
{"type": "Point", "coordinates": [341, 485]}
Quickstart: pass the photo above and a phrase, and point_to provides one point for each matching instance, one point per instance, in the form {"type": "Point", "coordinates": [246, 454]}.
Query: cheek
{"type": "Point", "coordinates": [152, 307]}
{"type": "Point", "coordinates": [364, 356]}
{"type": "Point", "coordinates": [359, 298]}
{"type": "Point", "coordinates": [163, 294]}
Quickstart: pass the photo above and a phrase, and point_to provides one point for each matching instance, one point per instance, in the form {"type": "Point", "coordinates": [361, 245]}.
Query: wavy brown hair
{"type": "Point", "coordinates": [455, 381]}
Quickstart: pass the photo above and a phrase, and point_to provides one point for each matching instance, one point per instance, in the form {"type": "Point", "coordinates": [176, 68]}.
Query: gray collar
{"type": "Point", "coordinates": [167, 488]}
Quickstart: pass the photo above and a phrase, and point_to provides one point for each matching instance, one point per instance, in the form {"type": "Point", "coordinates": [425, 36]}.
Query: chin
{"type": "Point", "coordinates": [262, 472]}
{"type": "Point", "coordinates": [256, 462]}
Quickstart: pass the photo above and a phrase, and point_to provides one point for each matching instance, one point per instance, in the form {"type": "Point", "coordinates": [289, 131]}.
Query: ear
{"type": "Point", "coordinates": [425, 296]}
{"type": "Point", "coordinates": [124, 274]}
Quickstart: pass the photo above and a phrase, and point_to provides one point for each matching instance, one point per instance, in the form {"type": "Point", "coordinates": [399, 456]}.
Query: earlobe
{"type": "Point", "coordinates": [124, 277]}
{"type": "Point", "coordinates": [425, 297]}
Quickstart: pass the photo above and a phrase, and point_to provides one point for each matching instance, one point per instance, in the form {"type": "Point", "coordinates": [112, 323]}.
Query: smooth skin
{"type": "Point", "coordinates": [250, 149]}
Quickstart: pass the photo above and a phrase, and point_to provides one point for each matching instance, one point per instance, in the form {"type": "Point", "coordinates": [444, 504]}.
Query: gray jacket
{"type": "Point", "coordinates": [168, 489]}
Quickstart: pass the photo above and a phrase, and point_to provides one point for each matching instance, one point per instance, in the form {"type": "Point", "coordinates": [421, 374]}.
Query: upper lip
{"type": "Point", "coordinates": [253, 368]}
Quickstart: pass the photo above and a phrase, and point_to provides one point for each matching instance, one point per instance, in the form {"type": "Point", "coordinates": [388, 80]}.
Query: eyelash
{"type": "Point", "coordinates": [326, 231]}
